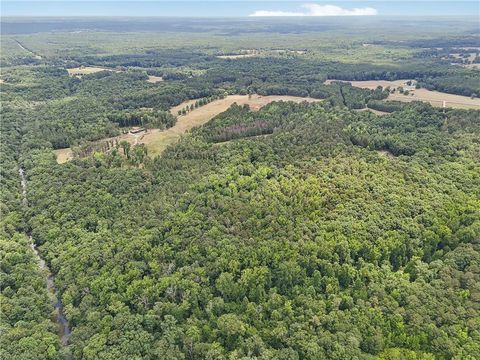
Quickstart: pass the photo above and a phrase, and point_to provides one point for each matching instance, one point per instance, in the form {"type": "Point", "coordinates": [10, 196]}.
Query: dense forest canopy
{"type": "Point", "coordinates": [295, 231]}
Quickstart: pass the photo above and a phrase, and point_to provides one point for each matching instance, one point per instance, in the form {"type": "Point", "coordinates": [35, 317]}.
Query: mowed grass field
{"type": "Point", "coordinates": [436, 98]}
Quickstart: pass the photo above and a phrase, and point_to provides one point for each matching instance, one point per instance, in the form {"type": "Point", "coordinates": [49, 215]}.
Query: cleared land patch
{"type": "Point", "coordinates": [154, 79]}
{"type": "Point", "coordinates": [68, 154]}
{"type": "Point", "coordinates": [87, 70]}
{"type": "Point", "coordinates": [237, 56]}
{"type": "Point", "coordinates": [467, 59]}
{"type": "Point", "coordinates": [253, 52]}
{"type": "Point", "coordinates": [241, 54]}
{"type": "Point", "coordinates": [157, 140]}
{"type": "Point", "coordinates": [63, 155]}
{"type": "Point", "coordinates": [435, 98]}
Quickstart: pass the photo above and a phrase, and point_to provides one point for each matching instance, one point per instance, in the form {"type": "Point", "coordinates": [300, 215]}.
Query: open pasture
{"type": "Point", "coordinates": [435, 98]}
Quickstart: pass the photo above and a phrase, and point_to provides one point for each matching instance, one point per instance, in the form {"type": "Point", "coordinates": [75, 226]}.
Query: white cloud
{"type": "Point", "coordinates": [320, 10]}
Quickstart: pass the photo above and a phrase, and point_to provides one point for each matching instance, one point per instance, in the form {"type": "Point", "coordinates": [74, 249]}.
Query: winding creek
{"type": "Point", "coordinates": [61, 320]}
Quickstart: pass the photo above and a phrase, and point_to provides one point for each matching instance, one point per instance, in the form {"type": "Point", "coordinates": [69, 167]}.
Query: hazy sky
{"type": "Point", "coordinates": [230, 8]}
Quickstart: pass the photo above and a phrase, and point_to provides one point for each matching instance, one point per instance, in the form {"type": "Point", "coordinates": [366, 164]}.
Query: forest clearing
{"type": "Point", "coordinates": [435, 98]}
{"type": "Point", "coordinates": [67, 154]}
{"type": "Point", "coordinates": [154, 79]}
{"type": "Point", "coordinates": [157, 140]}
{"type": "Point", "coordinates": [241, 54]}
{"type": "Point", "coordinates": [87, 70]}
{"type": "Point", "coordinates": [438, 99]}
{"type": "Point", "coordinates": [237, 56]}
{"type": "Point", "coordinates": [255, 53]}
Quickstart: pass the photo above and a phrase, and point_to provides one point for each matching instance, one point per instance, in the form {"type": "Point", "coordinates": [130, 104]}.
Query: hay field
{"type": "Point", "coordinates": [439, 99]}
{"type": "Point", "coordinates": [435, 98]}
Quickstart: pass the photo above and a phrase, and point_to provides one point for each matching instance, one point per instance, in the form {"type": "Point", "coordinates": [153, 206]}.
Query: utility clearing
{"type": "Point", "coordinates": [35, 55]}
{"type": "Point", "coordinates": [435, 98]}
{"type": "Point", "coordinates": [157, 140]}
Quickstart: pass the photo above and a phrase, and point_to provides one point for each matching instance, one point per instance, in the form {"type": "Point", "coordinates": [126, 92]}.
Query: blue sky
{"type": "Point", "coordinates": [231, 8]}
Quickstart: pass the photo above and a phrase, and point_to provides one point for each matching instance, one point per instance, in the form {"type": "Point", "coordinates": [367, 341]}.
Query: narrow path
{"type": "Point", "coordinates": [61, 320]}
